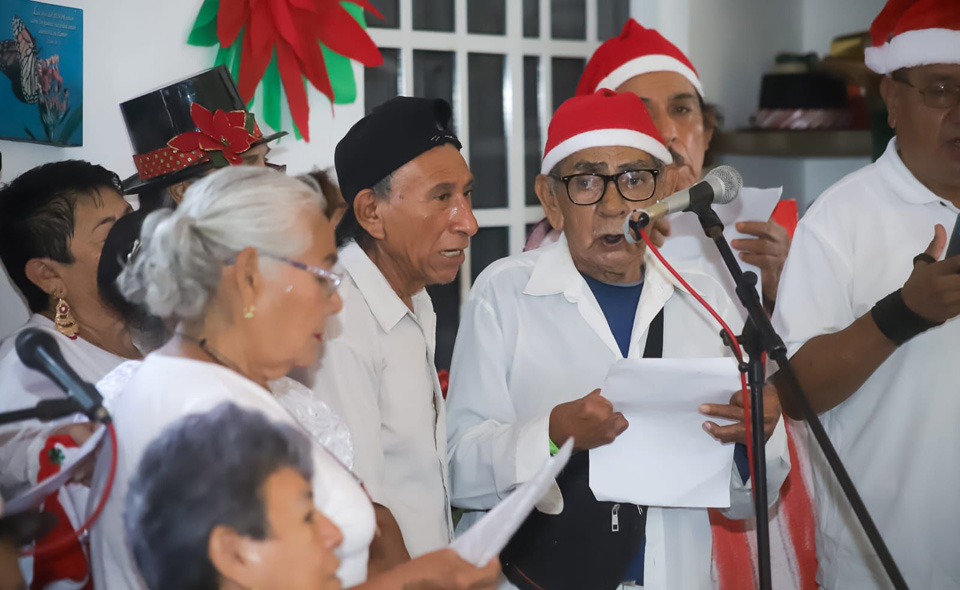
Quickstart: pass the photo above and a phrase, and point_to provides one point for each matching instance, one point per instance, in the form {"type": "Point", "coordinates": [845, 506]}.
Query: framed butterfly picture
{"type": "Point", "coordinates": [41, 59]}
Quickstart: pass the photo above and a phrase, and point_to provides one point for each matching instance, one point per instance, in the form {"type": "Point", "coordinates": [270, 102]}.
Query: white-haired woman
{"type": "Point", "coordinates": [244, 266]}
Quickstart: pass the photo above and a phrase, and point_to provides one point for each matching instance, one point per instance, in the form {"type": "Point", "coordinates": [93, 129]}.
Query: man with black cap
{"type": "Point", "coordinates": [408, 223]}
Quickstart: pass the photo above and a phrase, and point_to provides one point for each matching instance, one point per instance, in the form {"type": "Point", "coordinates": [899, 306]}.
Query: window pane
{"type": "Point", "coordinates": [611, 16]}
{"type": "Point", "coordinates": [433, 15]}
{"type": "Point", "coordinates": [568, 19]}
{"type": "Point", "coordinates": [531, 18]}
{"type": "Point", "coordinates": [382, 82]}
{"type": "Point", "coordinates": [390, 9]}
{"type": "Point", "coordinates": [488, 145]}
{"type": "Point", "coordinates": [488, 17]}
{"type": "Point", "coordinates": [433, 74]}
{"type": "Point", "coordinates": [566, 75]}
{"type": "Point", "coordinates": [446, 304]}
{"type": "Point", "coordinates": [531, 124]}
{"type": "Point", "coordinates": [490, 244]}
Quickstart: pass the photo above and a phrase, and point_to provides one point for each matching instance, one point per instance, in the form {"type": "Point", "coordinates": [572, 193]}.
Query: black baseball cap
{"type": "Point", "coordinates": [393, 134]}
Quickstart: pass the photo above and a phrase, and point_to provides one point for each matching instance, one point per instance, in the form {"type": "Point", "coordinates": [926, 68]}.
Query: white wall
{"type": "Point", "coordinates": [733, 42]}
{"type": "Point", "coordinates": [822, 21]}
{"type": "Point", "coordinates": [131, 47]}
{"type": "Point", "coordinates": [825, 19]}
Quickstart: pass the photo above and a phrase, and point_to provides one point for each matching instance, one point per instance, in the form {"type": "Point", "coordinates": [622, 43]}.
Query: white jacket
{"type": "Point", "coordinates": [533, 336]}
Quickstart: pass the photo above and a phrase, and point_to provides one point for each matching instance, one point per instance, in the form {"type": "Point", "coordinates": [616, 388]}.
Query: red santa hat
{"type": "Point", "coordinates": [635, 51]}
{"type": "Point", "coordinates": [909, 33]}
{"type": "Point", "coordinates": [603, 119]}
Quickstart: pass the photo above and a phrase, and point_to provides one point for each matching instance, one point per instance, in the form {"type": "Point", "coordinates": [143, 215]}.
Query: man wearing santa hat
{"type": "Point", "coordinates": [540, 330]}
{"type": "Point", "coordinates": [871, 325]}
{"type": "Point", "coordinates": [643, 62]}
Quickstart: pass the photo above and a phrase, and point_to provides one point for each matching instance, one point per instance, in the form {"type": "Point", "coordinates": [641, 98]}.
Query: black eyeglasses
{"type": "Point", "coordinates": [633, 185]}
{"type": "Point", "coordinates": [937, 95]}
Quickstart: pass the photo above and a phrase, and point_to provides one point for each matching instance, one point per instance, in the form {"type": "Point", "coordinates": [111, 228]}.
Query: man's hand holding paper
{"type": "Point", "coordinates": [737, 432]}
{"type": "Point", "coordinates": [666, 458]}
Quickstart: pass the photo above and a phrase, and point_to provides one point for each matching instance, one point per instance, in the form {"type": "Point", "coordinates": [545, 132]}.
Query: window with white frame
{"type": "Point", "coordinates": [505, 66]}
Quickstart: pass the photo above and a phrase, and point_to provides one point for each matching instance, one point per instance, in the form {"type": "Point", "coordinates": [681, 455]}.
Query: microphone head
{"type": "Point", "coordinates": [730, 179]}
{"type": "Point", "coordinates": [29, 342]}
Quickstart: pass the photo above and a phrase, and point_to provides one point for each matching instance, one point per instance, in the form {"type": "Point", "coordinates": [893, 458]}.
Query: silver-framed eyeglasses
{"type": "Point", "coordinates": [590, 188]}
{"type": "Point", "coordinates": [937, 95]}
{"type": "Point", "coordinates": [328, 279]}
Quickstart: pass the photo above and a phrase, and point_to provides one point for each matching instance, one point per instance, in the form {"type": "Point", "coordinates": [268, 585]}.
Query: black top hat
{"type": "Point", "coordinates": [188, 127]}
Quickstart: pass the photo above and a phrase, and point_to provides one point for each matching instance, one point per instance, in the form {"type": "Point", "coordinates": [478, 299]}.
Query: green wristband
{"type": "Point", "coordinates": [554, 449]}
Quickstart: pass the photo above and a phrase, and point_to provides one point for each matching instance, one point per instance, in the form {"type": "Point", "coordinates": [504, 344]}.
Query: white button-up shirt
{"type": "Point", "coordinates": [897, 434]}
{"type": "Point", "coordinates": [533, 336]}
{"type": "Point", "coordinates": [378, 373]}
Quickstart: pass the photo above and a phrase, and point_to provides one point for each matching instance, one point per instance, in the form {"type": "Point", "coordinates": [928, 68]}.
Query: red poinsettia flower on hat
{"type": "Point", "coordinates": [220, 131]}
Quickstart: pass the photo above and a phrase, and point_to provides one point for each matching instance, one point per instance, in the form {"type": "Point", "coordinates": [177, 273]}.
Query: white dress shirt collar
{"type": "Point", "coordinates": [384, 302]}
{"type": "Point", "coordinates": [905, 184]}
{"type": "Point", "coordinates": [555, 273]}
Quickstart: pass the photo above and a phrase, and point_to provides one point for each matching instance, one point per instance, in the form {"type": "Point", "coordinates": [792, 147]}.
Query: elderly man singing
{"type": "Point", "coordinates": [409, 221]}
{"type": "Point", "coordinates": [540, 331]}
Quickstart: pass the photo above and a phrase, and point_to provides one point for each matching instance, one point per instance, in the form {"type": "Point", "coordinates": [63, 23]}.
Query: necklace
{"type": "Point", "coordinates": [213, 353]}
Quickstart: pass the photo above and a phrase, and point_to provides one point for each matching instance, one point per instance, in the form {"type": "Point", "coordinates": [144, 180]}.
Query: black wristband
{"type": "Point", "coordinates": [898, 322]}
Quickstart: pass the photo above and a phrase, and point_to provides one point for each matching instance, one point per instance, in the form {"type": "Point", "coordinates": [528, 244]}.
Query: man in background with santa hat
{"type": "Point", "coordinates": [641, 61]}
{"type": "Point", "coordinates": [871, 325]}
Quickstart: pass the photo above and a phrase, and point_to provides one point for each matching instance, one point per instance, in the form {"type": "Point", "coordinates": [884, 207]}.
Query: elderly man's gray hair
{"type": "Point", "coordinates": [204, 471]}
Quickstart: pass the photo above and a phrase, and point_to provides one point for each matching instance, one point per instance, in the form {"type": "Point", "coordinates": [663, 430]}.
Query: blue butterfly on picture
{"type": "Point", "coordinates": [43, 61]}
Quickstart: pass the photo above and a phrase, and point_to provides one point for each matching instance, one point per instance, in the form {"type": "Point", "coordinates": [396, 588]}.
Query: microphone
{"type": "Point", "coordinates": [721, 185]}
{"type": "Point", "coordinates": [39, 351]}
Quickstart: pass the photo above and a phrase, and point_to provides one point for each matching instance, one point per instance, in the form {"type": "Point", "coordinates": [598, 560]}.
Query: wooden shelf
{"type": "Point", "coordinates": [794, 144]}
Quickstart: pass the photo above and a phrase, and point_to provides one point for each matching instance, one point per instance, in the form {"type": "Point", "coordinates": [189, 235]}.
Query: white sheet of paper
{"type": "Point", "coordinates": [665, 458]}
{"type": "Point", "coordinates": [489, 535]}
{"type": "Point", "coordinates": [688, 242]}
{"type": "Point", "coordinates": [35, 496]}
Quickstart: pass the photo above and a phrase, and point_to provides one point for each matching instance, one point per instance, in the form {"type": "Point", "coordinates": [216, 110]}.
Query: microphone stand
{"type": "Point", "coordinates": [759, 337]}
{"type": "Point", "coordinates": [44, 411]}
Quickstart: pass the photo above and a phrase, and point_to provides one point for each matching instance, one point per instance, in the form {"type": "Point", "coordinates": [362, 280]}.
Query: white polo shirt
{"type": "Point", "coordinates": [533, 336]}
{"type": "Point", "coordinates": [377, 372]}
{"type": "Point", "coordinates": [897, 435]}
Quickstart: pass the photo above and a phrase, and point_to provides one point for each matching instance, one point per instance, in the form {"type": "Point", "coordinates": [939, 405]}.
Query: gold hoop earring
{"type": "Point", "coordinates": [64, 320]}
{"type": "Point", "coordinates": [249, 311]}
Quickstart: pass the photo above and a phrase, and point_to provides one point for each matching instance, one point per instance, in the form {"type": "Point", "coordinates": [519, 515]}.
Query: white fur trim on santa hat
{"type": "Point", "coordinates": [915, 48]}
{"type": "Point", "coordinates": [646, 64]}
{"type": "Point", "coordinates": [602, 138]}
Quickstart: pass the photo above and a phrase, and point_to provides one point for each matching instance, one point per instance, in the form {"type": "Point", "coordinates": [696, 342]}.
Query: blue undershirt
{"type": "Point", "coordinates": [619, 305]}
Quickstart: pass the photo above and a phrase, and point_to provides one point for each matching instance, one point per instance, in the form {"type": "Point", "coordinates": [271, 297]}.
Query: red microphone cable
{"type": "Point", "coordinates": [64, 541]}
{"type": "Point", "coordinates": [733, 339]}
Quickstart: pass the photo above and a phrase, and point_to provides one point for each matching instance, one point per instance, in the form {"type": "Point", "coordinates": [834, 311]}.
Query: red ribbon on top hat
{"type": "Point", "coordinates": [222, 134]}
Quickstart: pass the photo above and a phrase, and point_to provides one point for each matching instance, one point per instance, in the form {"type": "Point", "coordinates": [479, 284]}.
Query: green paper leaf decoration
{"type": "Point", "coordinates": [270, 108]}
{"type": "Point", "coordinates": [204, 31]}
{"type": "Point", "coordinates": [340, 72]}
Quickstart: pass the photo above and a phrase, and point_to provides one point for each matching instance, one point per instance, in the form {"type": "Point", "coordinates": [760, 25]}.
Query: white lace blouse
{"type": "Point", "coordinates": [324, 425]}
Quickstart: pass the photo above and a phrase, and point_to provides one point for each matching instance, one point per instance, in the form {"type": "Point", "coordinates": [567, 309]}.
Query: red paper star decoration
{"type": "Point", "coordinates": [294, 29]}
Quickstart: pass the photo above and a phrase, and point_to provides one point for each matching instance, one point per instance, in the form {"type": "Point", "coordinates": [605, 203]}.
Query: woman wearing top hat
{"type": "Point", "coordinates": [179, 133]}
